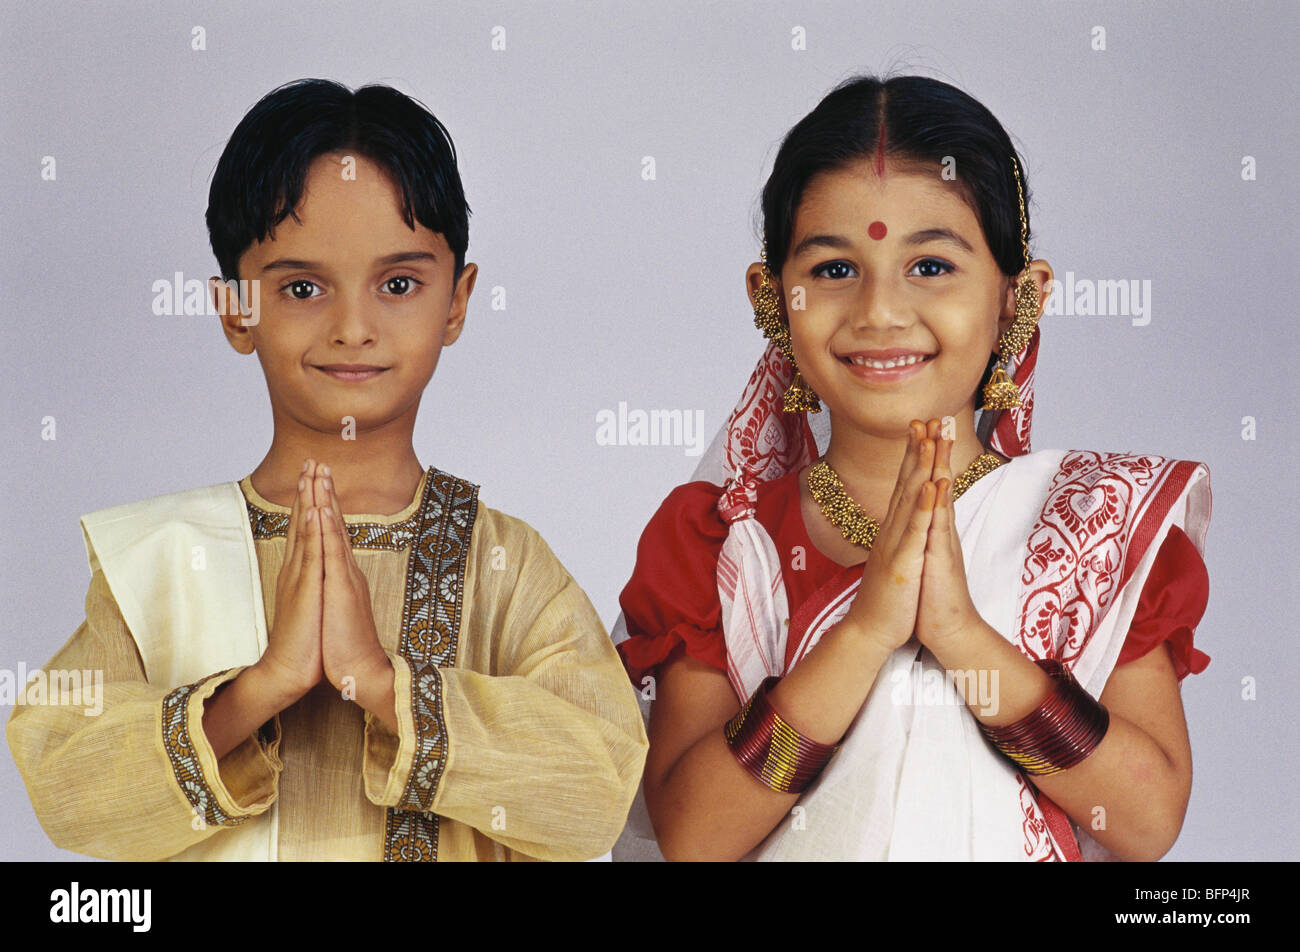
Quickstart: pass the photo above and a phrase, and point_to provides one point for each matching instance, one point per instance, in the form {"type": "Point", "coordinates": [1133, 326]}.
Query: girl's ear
{"type": "Point", "coordinates": [1043, 276]}
{"type": "Point", "coordinates": [1007, 316]}
{"type": "Point", "coordinates": [754, 280]}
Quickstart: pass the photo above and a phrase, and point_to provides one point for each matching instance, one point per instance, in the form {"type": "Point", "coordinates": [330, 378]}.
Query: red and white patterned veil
{"type": "Point", "coordinates": [760, 442]}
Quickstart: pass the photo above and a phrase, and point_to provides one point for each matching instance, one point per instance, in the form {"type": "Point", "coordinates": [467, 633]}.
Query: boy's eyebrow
{"type": "Point", "coordinates": [915, 238]}
{"type": "Point", "coordinates": [299, 264]}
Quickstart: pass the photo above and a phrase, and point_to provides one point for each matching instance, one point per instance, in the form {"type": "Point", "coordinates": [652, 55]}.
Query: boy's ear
{"type": "Point", "coordinates": [459, 304]}
{"type": "Point", "coordinates": [237, 318]}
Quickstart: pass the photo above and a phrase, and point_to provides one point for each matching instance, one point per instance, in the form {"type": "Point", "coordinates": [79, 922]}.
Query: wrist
{"type": "Point", "coordinates": [875, 644]}
{"type": "Point", "coordinates": [371, 681]}
{"type": "Point", "coordinates": [273, 682]}
{"type": "Point", "coordinates": [770, 749]}
{"type": "Point", "coordinates": [955, 649]}
{"type": "Point", "coordinates": [870, 645]}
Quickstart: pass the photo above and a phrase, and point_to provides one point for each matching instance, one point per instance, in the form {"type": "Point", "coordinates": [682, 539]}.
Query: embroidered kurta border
{"type": "Point", "coordinates": [185, 760]}
{"type": "Point", "coordinates": [435, 584]}
{"type": "Point", "coordinates": [362, 535]}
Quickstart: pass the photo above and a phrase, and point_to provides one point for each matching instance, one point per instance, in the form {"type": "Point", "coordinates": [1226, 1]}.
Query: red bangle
{"type": "Point", "coordinates": [1064, 729]}
{"type": "Point", "coordinates": [770, 749]}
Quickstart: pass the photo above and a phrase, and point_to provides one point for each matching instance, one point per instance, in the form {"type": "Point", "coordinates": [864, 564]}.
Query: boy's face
{"type": "Point", "coordinates": [331, 292]}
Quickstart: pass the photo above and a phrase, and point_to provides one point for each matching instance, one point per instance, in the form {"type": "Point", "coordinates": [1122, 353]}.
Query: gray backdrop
{"type": "Point", "coordinates": [622, 289]}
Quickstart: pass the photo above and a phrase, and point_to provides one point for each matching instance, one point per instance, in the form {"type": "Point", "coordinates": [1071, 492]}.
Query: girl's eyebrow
{"type": "Point", "coordinates": [836, 242]}
{"type": "Point", "coordinates": [939, 234]}
{"type": "Point", "coordinates": [299, 264]}
{"type": "Point", "coordinates": [840, 242]}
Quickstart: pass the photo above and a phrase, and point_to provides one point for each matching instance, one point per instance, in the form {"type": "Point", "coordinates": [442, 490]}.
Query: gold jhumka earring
{"type": "Point", "coordinates": [767, 318]}
{"type": "Point", "coordinates": [1001, 392]}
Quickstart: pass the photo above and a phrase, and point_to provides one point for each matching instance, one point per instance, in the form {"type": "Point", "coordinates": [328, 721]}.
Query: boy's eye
{"type": "Point", "coordinates": [401, 285]}
{"type": "Point", "coordinates": [293, 287]}
{"type": "Point", "coordinates": [302, 290]}
{"type": "Point", "coordinates": [836, 270]}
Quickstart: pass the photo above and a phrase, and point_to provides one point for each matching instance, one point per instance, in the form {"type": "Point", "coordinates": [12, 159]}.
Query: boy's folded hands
{"type": "Point", "coordinates": [323, 625]}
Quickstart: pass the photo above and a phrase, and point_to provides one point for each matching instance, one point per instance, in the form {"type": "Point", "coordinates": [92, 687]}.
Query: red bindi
{"type": "Point", "coordinates": [876, 230]}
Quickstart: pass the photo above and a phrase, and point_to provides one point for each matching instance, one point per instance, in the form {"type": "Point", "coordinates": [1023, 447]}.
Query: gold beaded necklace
{"type": "Point", "coordinates": [847, 516]}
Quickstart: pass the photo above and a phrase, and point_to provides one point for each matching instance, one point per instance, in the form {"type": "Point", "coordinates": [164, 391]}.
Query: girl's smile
{"type": "Point", "coordinates": [894, 303]}
{"type": "Point", "coordinates": [885, 366]}
{"type": "Point", "coordinates": [890, 323]}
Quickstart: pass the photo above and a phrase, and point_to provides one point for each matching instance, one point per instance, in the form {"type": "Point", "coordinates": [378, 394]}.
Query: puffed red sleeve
{"type": "Point", "coordinates": [1171, 605]}
{"type": "Point", "coordinates": [671, 603]}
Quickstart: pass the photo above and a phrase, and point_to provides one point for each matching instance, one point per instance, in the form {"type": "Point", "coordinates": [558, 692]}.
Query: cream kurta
{"type": "Point", "coordinates": [539, 741]}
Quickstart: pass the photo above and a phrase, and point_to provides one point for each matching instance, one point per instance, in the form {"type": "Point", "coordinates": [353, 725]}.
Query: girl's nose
{"type": "Point", "coordinates": [878, 306]}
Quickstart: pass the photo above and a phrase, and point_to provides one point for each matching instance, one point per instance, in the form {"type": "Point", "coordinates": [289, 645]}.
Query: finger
{"type": "Point", "coordinates": [318, 497]}
{"type": "Point", "coordinates": [321, 492]}
{"type": "Point", "coordinates": [291, 534]}
{"type": "Point", "coordinates": [934, 432]}
{"type": "Point", "coordinates": [920, 474]}
{"type": "Point", "coordinates": [345, 542]}
{"type": "Point", "coordinates": [943, 459]}
{"type": "Point", "coordinates": [329, 538]}
{"type": "Point", "coordinates": [304, 506]}
{"type": "Point", "coordinates": [941, 518]}
{"type": "Point", "coordinates": [916, 437]}
{"type": "Point", "coordinates": [332, 521]}
{"type": "Point", "coordinates": [949, 522]}
{"type": "Point", "coordinates": [905, 469]}
{"type": "Point", "coordinates": [291, 537]}
{"type": "Point", "coordinates": [945, 547]}
{"type": "Point", "coordinates": [311, 551]}
{"type": "Point", "coordinates": [916, 537]}
{"type": "Point", "coordinates": [910, 496]}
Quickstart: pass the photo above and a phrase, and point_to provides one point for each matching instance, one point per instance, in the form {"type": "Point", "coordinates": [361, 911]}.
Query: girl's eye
{"type": "Point", "coordinates": [943, 266]}
{"type": "Point", "coordinates": [835, 270]}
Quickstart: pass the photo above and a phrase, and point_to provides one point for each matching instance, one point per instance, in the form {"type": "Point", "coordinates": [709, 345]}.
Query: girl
{"type": "Point", "coordinates": [897, 633]}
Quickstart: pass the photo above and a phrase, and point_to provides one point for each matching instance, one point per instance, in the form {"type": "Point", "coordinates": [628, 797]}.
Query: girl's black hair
{"type": "Point", "coordinates": [260, 176]}
{"type": "Point", "coordinates": [925, 124]}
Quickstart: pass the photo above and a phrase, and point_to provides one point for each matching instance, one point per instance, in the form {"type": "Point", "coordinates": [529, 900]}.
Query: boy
{"type": "Point", "coordinates": [420, 681]}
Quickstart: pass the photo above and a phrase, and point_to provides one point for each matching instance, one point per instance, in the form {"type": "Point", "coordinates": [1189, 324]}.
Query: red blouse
{"type": "Point", "coordinates": [671, 603]}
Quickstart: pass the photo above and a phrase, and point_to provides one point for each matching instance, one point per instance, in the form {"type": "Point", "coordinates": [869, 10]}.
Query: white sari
{"type": "Point", "coordinates": [1057, 546]}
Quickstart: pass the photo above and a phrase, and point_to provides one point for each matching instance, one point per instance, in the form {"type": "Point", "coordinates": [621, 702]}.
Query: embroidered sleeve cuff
{"type": "Point", "coordinates": [403, 770]}
{"type": "Point", "coordinates": [226, 792]}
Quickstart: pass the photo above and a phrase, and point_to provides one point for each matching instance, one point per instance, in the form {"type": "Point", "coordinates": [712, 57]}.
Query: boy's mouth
{"type": "Point", "coordinates": [351, 371]}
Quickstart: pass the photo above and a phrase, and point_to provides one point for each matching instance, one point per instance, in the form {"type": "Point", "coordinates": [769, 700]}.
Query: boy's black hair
{"type": "Point", "coordinates": [260, 176]}
{"type": "Point", "coordinates": [924, 122]}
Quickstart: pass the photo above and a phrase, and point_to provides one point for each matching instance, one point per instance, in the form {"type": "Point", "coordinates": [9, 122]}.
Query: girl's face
{"type": "Point", "coordinates": [886, 264]}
